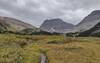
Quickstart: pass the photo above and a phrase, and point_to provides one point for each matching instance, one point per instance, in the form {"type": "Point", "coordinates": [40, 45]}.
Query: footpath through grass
{"type": "Point", "coordinates": [28, 49]}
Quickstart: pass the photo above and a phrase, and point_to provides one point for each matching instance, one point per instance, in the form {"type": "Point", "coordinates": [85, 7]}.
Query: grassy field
{"type": "Point", "coordinates": [28, 48]}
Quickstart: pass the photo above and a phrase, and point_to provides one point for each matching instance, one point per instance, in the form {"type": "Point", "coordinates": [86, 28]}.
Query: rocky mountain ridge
{"type": "Point", "coordinates": [56, 25]}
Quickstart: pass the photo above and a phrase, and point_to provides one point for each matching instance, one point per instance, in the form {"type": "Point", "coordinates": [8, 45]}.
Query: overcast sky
{"type": "Point", "coordinates": [36, 11]}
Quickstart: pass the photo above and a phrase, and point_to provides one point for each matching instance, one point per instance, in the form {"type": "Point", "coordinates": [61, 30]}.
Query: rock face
{"type": "Point", "coordinates": [56, 25]}
{"type": "Point", "coordinates": [8, 24]}
{"type": "Point", "coordinates": [88, 22]}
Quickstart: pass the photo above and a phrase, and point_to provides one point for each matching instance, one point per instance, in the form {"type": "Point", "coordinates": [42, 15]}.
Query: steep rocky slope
{"type": "Point", "coordinates": [88, 22]}
{"type": "Point", "coordinates": [94, 31]}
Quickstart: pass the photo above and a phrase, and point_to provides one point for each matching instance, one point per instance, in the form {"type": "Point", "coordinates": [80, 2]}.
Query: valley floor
{"type": "Point", "coordinates": [57, 49]}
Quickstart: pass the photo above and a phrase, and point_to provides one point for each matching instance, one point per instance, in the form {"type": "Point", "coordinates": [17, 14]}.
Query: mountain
{"type": "Point", "coordinates": [88, 22]}
{"type": "Point", "coordinates": [8, 24]}
{"type": "Point", "coordinates": [56, 25]}
{"type": "Point", "coordinates": [94, 31]}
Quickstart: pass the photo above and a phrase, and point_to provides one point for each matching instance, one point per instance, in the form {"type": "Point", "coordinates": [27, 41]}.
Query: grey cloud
{"type": "Point", "coordinates": [36, 11]}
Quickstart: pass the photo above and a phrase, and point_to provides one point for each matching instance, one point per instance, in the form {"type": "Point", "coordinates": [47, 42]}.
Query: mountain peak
{"type": "Point", "coordinates": [56, 24]}
{"type": "Point", "coordinates": [56, 19]}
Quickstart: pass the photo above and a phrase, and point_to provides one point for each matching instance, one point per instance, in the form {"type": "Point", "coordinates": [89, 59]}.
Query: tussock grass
{"type": "Point", "coordinates": [28, 48]}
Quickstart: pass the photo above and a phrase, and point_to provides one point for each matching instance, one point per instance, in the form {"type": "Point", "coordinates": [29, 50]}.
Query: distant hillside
{"type": "Point", "coordinates": [12, 25]}
{"type": "Point", "coordinates": [56, 25]}
{"type": "Point", "coordinates": [88, 22]}
{"type": "Point", "coordinates": [95, 31]}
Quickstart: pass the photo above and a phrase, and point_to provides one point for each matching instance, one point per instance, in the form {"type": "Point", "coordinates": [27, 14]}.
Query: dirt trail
{"type": "Point", "coordinates": [43, 58]}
